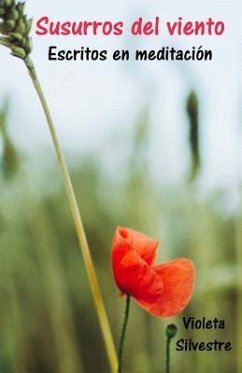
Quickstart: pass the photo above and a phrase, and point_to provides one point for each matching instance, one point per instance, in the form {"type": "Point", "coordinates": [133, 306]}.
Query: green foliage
{"type": "Point", "coordinates": [10, 160]}
{"type": "Point", "coordinates": [192, 112]}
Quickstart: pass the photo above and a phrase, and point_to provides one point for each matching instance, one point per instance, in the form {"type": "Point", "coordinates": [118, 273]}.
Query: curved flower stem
{"type": "Point", "coordinates": [171, 331]}
{"type": "Point", "coordinates": [123, 334]}
{"type": "Point", "coordinates": [96, 292]}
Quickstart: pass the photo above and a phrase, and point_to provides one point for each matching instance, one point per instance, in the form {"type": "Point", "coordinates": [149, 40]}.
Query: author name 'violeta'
{"type": "Point", "coordinates": [203, 323]}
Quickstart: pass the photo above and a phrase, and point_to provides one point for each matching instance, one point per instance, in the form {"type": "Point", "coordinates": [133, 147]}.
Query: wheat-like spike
{"type": "Point", "coordinates": [15, 28]}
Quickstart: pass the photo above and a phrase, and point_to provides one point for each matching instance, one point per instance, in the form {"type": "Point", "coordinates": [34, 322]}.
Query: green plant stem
{"type": "Point", "coordinates": [168, 343]}
{"type": "Point", "coordinates": [123, 334]}
{"type": "Point", "coordinates": [91, 273]}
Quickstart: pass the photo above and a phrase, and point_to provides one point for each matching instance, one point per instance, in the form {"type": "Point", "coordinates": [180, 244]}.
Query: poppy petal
{"type": "Point", "coordinates": [145, 246]}
{"type": "Point", "coordinates": [178, 278]}
{"type": "Point", "coordinates": [135, 277]}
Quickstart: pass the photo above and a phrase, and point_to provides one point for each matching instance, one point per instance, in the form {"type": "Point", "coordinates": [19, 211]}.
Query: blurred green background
{"type": "Point", "coordinates": [47, 320]}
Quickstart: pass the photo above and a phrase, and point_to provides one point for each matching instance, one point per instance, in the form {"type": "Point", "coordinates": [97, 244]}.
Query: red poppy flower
{"type": "Point", "coordinates": [163, 290]}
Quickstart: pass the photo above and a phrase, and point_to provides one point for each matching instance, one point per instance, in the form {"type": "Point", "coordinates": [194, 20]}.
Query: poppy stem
{"type": "Point", "coordinates": [123, 334]}
{"type": "Point", "coordinates": [171, 331]}
{"type": "Point", "coordinates": [88, 262]}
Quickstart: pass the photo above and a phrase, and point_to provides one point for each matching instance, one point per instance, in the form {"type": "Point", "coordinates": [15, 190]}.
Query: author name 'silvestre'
{"type": "Point", "coordinates": [188, 344]}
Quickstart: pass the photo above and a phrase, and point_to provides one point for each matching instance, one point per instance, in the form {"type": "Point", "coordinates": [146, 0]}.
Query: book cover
{"type": "Point", "coordinates": [120, 180]}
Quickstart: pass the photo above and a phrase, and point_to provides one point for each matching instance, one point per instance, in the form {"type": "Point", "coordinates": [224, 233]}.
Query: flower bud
{"type": "Point", "coordinates": [171, 331]}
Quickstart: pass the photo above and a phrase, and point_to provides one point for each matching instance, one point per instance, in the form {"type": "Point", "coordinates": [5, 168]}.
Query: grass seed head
{"type": "Point", "coordinates": [15, 28]}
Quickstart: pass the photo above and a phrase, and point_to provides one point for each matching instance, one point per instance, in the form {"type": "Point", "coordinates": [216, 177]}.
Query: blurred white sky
{"type": "Point", "coordinates": [93, 101]}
